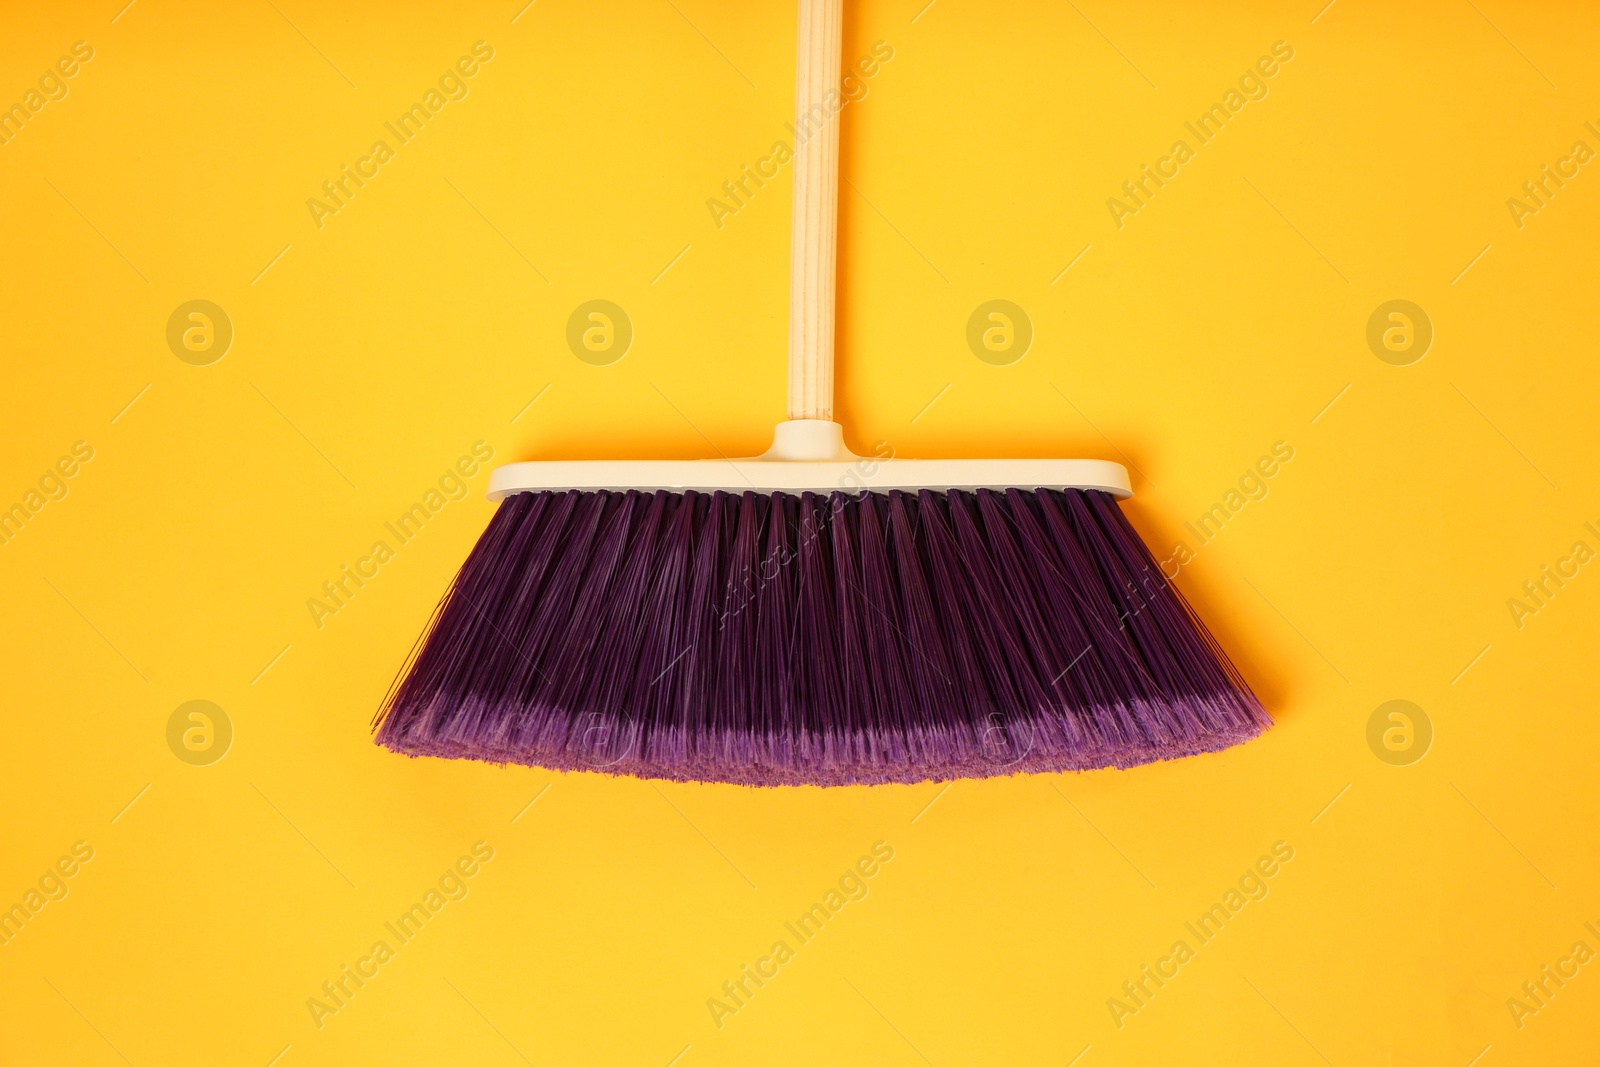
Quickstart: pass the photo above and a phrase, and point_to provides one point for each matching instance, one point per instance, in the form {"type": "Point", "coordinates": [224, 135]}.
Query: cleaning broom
{"type": "Point", "coordinates": [806, 616]}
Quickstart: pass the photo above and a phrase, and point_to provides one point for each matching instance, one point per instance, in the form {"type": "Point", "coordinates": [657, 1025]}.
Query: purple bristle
{"type": "Point", "coordinates": [776, 639]}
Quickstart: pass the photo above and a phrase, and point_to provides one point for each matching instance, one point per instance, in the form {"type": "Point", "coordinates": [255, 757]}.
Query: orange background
{"type": "Point", "coordinates": [369, 354]}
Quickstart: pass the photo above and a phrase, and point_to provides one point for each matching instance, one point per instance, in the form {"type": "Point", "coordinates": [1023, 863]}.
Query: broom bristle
{"type": "Point", "coordinates": [774, 639]}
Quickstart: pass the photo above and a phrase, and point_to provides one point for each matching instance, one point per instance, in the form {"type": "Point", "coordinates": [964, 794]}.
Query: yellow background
{"type": "Point", "coordinates": [1225, 316]}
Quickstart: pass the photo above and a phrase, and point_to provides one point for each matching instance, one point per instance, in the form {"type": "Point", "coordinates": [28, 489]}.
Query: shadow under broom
{"type": "Point", "coordinates": [754, 621]}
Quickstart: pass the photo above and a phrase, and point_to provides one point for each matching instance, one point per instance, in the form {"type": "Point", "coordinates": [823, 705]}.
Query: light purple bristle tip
{"type": "Point", "coordinates": [804, 639]}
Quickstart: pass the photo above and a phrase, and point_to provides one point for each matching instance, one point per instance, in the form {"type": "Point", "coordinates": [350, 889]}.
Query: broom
{"type": "Point", "coordinates": [809, 616]}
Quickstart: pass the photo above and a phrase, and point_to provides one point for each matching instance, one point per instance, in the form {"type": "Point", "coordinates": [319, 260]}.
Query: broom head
{"type": "Point", "coordinates": [812, 617]}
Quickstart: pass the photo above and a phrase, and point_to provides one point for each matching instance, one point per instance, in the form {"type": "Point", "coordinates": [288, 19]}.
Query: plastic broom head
{"type": "Point", "coordinates": [828, 638]}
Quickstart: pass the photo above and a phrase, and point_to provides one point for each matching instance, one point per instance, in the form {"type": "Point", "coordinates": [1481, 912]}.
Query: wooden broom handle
{"type": "Point", "coordinates": [814, 231]}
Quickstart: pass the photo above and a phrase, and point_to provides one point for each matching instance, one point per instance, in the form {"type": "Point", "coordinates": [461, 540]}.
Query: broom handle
{"type": "Point", "coordinates": [813, 238]}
